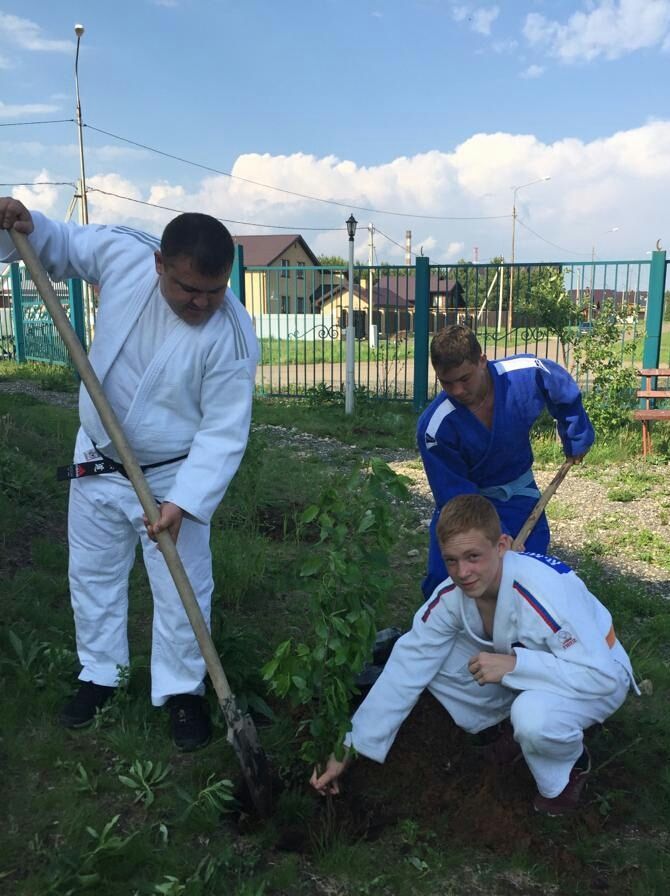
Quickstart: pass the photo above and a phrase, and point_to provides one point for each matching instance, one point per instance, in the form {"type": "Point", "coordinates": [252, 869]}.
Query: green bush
{"type": "Point", "coordinates": [599, 354]}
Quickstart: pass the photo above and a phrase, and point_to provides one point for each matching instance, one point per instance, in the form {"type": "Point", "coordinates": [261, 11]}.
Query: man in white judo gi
{"type": "Point", "coordinates": [176, 354]}
{"type": "Point", "coordinates": [475, 435]}
{"type": "Point", "coordinates": [506, 635]}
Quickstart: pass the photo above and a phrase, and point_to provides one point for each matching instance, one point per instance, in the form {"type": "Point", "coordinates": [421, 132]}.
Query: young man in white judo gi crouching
{"type": "Point", "coordinates": [506, 635]}
{"type": "Point", "coordinates": [475, 436]}
{"type": "Point", "coordinates": [176, 353]}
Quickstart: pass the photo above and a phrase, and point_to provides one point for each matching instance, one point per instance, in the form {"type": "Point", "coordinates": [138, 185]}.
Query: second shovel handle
{"type": "Point", "coordinates": [543, 500]}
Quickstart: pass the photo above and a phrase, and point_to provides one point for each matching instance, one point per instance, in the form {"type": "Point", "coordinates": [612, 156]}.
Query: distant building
{"type": "Point", "coordinates": [280, 285]}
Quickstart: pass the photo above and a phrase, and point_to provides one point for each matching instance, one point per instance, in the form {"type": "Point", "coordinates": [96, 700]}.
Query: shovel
{"type": "Point", "coordinates": [242, 733]}
{"type": "Point", "coordinates": [543, 500]}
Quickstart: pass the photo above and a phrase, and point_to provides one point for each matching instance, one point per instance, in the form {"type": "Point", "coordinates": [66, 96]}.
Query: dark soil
{"type": "Point", "coordinates": [435, 775]}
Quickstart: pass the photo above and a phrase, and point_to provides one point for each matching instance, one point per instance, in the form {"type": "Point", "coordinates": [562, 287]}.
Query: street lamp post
{"type": "Point", "coordinates": [349, 378]}
{"type": "Point", "coordinates": [511, 270]}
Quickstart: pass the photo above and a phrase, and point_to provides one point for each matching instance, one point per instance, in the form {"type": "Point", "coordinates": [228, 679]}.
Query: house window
{"type": "Point", "coordinates": [284, 305]}
{"type": "Point", "coordinates": [300, 305]}
{"type": "Point", "coordinates": [284, 267]}
{"type": "Point", "coordinates": [301, 273]}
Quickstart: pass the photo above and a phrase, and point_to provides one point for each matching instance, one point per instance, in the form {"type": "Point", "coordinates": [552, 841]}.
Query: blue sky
{"type": "Point", "coordinates": [431, 109]}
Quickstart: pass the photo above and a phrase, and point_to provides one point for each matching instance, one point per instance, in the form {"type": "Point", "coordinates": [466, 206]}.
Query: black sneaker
{"type": "Point", "coordinates": [81, 709]}
{"type": "Point", "coordinates": [189, 721]}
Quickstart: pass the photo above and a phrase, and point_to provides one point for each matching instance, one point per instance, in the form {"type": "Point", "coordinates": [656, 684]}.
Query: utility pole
{"type": "Point", "coordinates": [371, 279]}
{"type": "Point", "coordinates": [511, 269]}
{"type": "Point", "coordinates": [350, 345]}
{"type": "Point", "coordinates": [83, 199]}
{"type": "Point", "coordinates": [408, 247]}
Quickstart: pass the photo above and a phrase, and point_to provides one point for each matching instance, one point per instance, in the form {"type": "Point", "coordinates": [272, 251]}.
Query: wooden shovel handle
{"type": "Point", "coordinates": [543, 500]}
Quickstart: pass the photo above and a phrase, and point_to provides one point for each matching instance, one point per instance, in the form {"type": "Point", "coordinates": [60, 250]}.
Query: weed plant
{"type": "Point", "coordinates": [50, 377]}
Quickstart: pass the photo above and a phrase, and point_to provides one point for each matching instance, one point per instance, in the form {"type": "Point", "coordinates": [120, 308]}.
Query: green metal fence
{"type": "Point", "coordinates": [300, 315]}
{"type": "Point", "coordinates": [27, 332]}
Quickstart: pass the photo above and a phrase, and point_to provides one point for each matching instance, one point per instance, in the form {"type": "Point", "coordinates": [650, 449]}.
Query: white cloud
{"type": "Point", "coordinates": [483, 18]}
{"type": "Point", "coordinates": [27, 35]}
{"type": "Point", "coordinates": [479, 18]}
{"type": "Point", "coordinates": [5, 64]}
{"type": "Point", "coordinates": [609, 28]}
{"type": "Point", "coordinates": [454, 251]}
{"type": "Point", "coordinates": [19, 109]}
{"type": "Point", "coordinates": [504, 46]}
{"type": "Point", "coordinates": [533, 71]}
{"type": "Point", "coordinates": [42, 197]}
{"type": "Point", "coordinates": [619, 179]}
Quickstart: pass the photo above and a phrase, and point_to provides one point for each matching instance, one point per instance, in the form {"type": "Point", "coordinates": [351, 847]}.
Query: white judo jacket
{"type": "Point", "coordinates": [195, 395]}
{"type": "Point", "coordinates": [545, 615]}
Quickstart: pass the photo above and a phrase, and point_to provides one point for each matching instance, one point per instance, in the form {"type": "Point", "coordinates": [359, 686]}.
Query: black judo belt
{"type": "Point", "coordinates": [105, 465]}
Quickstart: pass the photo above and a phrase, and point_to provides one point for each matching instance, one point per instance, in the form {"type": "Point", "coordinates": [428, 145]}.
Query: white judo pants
{"type": "Point", "coordinates": [548, 727]}
{"type": "Point", "coordinates": [104, 526]}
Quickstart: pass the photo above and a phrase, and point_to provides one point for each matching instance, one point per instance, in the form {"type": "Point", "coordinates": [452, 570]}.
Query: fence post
{"type": "Point", "coordinates": [237, 274]}
{"type": "Point", "coordinates": [421, 302]}
{"type": "Point", "coordinates": [17, 311]}
{"type": "Point", "coordinates": [75, 295]}
{"type": "Point", "coordinates": [654, 316]}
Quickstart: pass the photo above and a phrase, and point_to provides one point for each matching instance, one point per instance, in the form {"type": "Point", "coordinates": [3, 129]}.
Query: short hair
{"type": "Point", "coordinates": [453, 346]}
{"type": "Point", "coordinates": [466, 512]}
{"type": "Point", "coordinates": [202, 239]}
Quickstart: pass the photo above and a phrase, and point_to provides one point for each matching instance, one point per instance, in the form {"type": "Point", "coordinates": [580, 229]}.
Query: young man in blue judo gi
{"type": "Point", "coordinates": [475, 436]}
{"type": "Point", "coordinates": [506, 635]}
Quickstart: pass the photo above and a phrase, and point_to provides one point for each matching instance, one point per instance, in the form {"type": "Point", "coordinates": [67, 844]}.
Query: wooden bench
{"type": "Point", "coordinates": [649, 393]}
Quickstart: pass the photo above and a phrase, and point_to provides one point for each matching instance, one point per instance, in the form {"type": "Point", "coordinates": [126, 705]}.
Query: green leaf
{"type": "Point", "coordinates": [311, 566]}
{"type": "Point", "coordinates": [309, 514]}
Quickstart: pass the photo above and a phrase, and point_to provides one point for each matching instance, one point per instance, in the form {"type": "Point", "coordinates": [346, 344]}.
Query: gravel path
{"type": "Point", "coordinates": [618, 514]}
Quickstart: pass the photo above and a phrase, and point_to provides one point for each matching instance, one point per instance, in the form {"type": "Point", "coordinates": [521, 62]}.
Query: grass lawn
{"type": "Point", "coordinates": [114, 808]}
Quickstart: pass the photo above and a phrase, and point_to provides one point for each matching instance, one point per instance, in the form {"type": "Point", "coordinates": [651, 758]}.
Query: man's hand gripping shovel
{"type": "Point", "coordinates": [242, 733]}
{"type": "Point", "coordinates": [543, 500]}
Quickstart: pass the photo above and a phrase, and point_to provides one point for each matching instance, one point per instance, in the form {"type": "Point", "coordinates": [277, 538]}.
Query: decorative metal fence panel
{"type": "Point", "coordinates": [40, 337]}
{"type": "Point", "coordinates": [27, 332]}
{"type": "Point", "coordinates": [7, 348]}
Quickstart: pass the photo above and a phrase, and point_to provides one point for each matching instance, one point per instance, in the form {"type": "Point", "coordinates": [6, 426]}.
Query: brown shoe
{"type": "Point", "coordinates": [568, 799]}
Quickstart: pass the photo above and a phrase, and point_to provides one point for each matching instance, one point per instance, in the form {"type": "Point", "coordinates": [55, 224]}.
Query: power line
{"type": "Point", "coordinates": [42, 183]}
{"type": "Point", "coordinates": [387, 237]}
{"type": "Point", "coordinates": [181, 211]}
{"type": "Point", "coordinates": [347, 205]}
{"type": "Point", "coordinates": [548, 242]}
{"type": "Point", "coordinates": [19, 124]}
